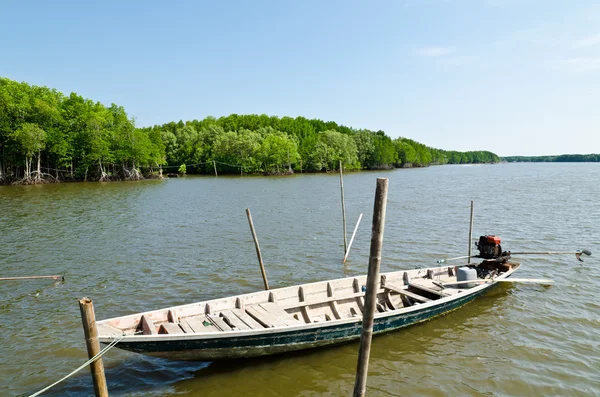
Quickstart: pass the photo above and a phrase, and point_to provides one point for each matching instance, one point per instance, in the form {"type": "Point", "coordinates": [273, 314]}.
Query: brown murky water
{"type": "Point", "coordinates": [140, 246]}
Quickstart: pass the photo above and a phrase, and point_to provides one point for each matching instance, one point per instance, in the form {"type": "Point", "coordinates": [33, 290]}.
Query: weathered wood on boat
{"type": "Point", "coordinates": [403, 291]}
{"type": "Point", "coordinates": [170, 328]}
{"type": "Point", "coordinates": [232, 320]}
{"type": "Point", "coordinates": [199, 324]}
{"type": "Point", "coordinates": [148, 326]}
{"type": "Point", "coordinates": [219, 323]}
{"type": "Point", "coordinates": [278, 312]}
{"type": "Point", "coordinates": [252, 323]}
{"type": "Point", "coordinates": [276, 323]}
{"type": "Point", "coordinates": [261, 317]}
{"type": "Point", "coordinates": [428, 288]}
{"type": "Point", "coordinates": [334, 307]}
{"type": "Point", "coordinates": [186, 327]}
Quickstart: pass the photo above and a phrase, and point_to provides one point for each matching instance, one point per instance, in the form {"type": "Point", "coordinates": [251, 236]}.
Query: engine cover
{"type": "Point", "coordinates": [489, 247]}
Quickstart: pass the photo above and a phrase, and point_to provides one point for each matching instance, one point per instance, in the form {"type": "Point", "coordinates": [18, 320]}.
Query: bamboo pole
{"type": "Point", "coordinates": [360, 384]}
{"type": "Point", "coordinates": [260, 260]}
{"type": "Point", "coordinates": [471, 230]}
{"type": "Point", "coordinates": [88, 319]}
{"type": "Point", "coordinates": [215, 167]}
{"type": "Point", "coordinates": [343, 208]}
{"type": "Point", "coordinates": [62, 278]}
{"type": "Point", "coordinates": [352, 238]}
{"type": "Point", "coordinates": [502, 280]}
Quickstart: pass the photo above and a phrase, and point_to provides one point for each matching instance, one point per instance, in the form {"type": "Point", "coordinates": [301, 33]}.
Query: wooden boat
{"type": "Point", "coordinates": [299, 317]}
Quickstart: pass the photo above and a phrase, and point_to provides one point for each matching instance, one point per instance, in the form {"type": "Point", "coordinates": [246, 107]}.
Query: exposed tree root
{"type": "Point", "coordinates": [132, 174]}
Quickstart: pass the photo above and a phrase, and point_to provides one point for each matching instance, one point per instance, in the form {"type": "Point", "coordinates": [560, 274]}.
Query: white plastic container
{"type": "Point", "coordinates": [466, 274]}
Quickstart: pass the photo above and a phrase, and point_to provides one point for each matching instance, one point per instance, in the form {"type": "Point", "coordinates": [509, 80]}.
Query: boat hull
{"type": "Point", "coordinates": [254, 344]}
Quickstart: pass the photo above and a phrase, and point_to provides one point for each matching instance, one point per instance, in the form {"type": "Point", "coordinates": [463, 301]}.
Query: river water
{"type": "Point", "coordinates": [146, 245]}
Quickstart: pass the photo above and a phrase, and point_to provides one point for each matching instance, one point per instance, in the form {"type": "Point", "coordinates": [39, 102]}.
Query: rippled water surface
{"type": "Point", "coordinates": [141, 246]}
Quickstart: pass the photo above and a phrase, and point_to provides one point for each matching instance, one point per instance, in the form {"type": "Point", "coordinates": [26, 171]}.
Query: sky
{"type": "Point", "coordinates": [516, 77]}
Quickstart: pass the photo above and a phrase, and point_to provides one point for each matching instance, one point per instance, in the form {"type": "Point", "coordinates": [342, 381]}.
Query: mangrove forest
{"type": "Point", "coordinates": [46, 136]}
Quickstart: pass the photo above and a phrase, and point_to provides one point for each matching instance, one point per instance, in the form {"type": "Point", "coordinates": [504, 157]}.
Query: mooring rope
{"type": "Point", "coordinates": [88, 362]}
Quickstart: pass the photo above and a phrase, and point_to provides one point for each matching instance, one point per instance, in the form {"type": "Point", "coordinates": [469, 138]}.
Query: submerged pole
{"type": "Point", "coordinates": [343, 208]}
{"type": "Point", "coordinates": [260, 260]}
{"type": "Point", "coordinates": [59, 277]}
{"type": "Point", "coordinates": [471, 230]}
{"type": "Point", "coordinates": [88, 319]}
{"type": "Point", "coordinates": [360, 384]}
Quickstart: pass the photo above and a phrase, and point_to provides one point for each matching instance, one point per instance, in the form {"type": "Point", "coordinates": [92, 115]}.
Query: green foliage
{"type": "Point", "coordinates": [278, 150]}
{"type": "Point", "coordinates": [333, 147]}
{"type": "Point", "coordinates": [86, 138]}
{"type": "Point", "coordinates": [182, 169]}
{"type": "Point", "coordinates": [261, 143]}
{"type": "Point", "coordinates": [31, 138]}
{"type": "Point", "coordinates": [70, 131]}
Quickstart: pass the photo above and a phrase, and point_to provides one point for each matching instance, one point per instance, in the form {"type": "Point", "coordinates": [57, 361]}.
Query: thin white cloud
{"type": "Point", "coordinates": [436, 52]}
{"type": "Point", "coordinates": [581, 64]}
{"type": "Point", "coordinates": [458, 60]}
{"type": "Point", "coordinates": [589, 41]}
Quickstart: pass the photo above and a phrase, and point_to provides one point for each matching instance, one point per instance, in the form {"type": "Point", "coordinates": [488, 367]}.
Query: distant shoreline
{"type": "Point", "coordinates": [562, 158]}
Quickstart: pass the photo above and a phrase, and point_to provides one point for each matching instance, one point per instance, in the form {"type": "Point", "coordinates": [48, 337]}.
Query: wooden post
{"type": "Point", "coordinates": [88, 319]}
{"type": "Point", "coordinates": [301, 166]}
{"type": "Point", "coordinates": [260, 261]}
{"type": "Point", "coordinates": [215, 167]}
{"type": "Point", "coordinates": [352, 238]}
{"type": "Point", "coordinates": [470, 233]}
{"type": "Point", "coordinates": [343, 208]}
{"type": "Point", "coordinates": [360, 384]}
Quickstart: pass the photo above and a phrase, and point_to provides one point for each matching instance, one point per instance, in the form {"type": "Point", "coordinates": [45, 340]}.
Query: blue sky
{"type": "Point", "coordinates": [515, 77]}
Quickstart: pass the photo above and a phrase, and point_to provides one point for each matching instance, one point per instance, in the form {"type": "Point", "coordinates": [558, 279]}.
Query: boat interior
{"type": "Point", "coordinates": [305, 304]}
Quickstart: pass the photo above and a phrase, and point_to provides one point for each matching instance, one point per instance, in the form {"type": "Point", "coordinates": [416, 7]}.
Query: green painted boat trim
{"type": "Point", "coordinates": [252, 344]}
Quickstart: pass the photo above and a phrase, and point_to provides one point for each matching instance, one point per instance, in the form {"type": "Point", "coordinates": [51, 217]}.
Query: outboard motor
{"type": "Point", "coordinates": [489, 247]}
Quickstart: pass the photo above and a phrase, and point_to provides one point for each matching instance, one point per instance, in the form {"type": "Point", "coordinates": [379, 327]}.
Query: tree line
{"type": "Point", "coordinates": [69, 137]}
{"type": "Point", "coordinates": [563, 158]}
{"type": "Point", "coordinates": [48, 136]}
{"type": "Point", "coordinates": [273, 145]}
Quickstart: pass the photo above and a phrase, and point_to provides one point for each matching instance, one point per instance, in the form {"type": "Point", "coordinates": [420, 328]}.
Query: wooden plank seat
{"type": "Point", "coordinates": [322, 300]}
{"type": "Point", "coordinates": [428, 286]}
{"type": "Point", "coordinates": [403, 291]}
{"type": "Point", "coordinates": [233, 321]}
{"type": "Point", "coordinates": [252, 323]}
{"type": "Point", "coordinates": [219, 322]}
{"type": "Point", "coordinates": [270, 315]}
{"type": "Point", "coordinates": [280, 313]}
{"type": "Point", "coordinates": [170, 328]}
{"type": "Point", "coordinates": [263, 317]}
{"type": "Point", "coordinates": [197, 324]}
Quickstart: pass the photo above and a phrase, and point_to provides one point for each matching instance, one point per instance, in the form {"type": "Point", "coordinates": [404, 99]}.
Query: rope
{"type": "Point", "coordinates": [88, 362]}
{"type": "Point", "coordinates": [187, 165]}
{"type": "Point", "coordinates": [231, 165]}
